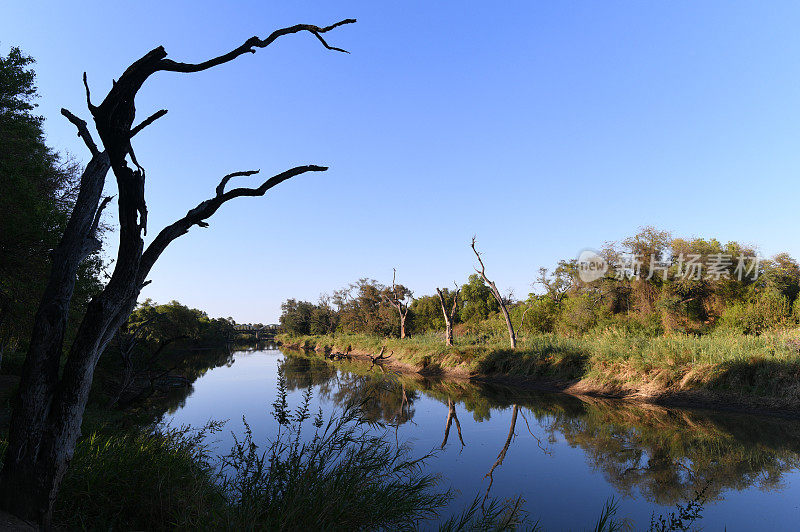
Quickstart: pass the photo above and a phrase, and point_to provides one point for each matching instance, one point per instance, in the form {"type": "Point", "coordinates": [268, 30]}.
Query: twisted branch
{"type": "Point", "coordinates": [245, 173]}
{"type": "Point", "coordinates": [207, 208]}
{"type": "Point", "coordinates": [254, 42]}
{"type": "Point", "coordinates": [83, 131]}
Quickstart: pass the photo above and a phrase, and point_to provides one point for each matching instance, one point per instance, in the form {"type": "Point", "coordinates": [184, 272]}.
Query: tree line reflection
{"type": "Point", "coordinates": [666, 454]}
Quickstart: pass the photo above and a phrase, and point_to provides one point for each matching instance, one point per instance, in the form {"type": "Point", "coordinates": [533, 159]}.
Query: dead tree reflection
{"type": "Point", "coordinates": [502, 455]}
{"type": "Point", "coordinates": [452, 416]}
{"type": "Point", "coordinates": [511, 435]}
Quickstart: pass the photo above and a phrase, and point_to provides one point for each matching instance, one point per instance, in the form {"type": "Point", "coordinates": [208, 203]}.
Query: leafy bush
{"type": "Point", "coordinates": [768, 309]}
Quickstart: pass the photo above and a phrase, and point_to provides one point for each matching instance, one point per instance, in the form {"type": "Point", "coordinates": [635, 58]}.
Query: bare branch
{"type": "Point", "coordinates": [380, 358]}
{"type": "Point", "coordinates": [245, 173]}
{"type": "Point", "coordinates": [250, 45]}
{"type": "Point", "coordinates": [147, 121]}
{"type": "Point", "coordinates": [83, 131]}
{"type": "Point", "coordinates": [206, 209]}
{"type": "Point", "coordinates": [482, 271]}
{"type": "Point", "coordinates": [98, 213]}
{"type": "Point", "coordinates": [88, 94]}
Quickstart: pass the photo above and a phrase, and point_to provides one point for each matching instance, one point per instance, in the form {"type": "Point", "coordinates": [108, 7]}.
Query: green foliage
{"type": "Point", "coordinates": [296, 316]}
{"type": "Point", "coordinates": [478, 303]}
{"type": "Point", "coordinates": [141, 481]}
{"type": "Point", "coordinates": [362, 307]}
{"type": "Point", "coordinates": [766, 310]}
{"type": "Point", "coordinates": [38, 190]}
{"type": "Point", "coordinates": [580, 314]}
{"type": "Point", "coordinates": [426, 313]}
{"type": "Point", "coordinates": [175, 321]}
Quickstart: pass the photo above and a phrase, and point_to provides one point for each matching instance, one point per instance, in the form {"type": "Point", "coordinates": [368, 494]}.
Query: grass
{"type": "Point", "coordinates": [341, 474]}
{"type": "Point", "coordinates": [764, 366]}
{"type": "Point", "coordinates": [142, 481]}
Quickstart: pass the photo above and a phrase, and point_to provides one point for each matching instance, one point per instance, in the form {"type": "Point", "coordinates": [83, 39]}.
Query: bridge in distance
{"type": "Point", "coordinates": [267, 332]}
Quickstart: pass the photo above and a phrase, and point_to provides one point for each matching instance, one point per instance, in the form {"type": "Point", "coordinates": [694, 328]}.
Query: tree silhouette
{"type": "Point", "coordinates": [48, 409]}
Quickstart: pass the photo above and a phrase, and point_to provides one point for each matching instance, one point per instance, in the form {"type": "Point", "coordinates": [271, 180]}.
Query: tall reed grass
{"type": "Point", "coordinates": [339, 474]}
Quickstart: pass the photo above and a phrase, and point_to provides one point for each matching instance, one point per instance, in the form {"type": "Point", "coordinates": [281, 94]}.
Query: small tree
{"type": "Point", "coordinates": [448, 316]}
{"type": "Point", "coordinates": [399, 297]}
{"type": "Point", "coordinates": [496, 293]}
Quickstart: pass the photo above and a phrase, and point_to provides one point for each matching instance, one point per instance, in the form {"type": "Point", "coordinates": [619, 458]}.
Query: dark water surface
{"type": "Point", "coordinates": [565, 456]}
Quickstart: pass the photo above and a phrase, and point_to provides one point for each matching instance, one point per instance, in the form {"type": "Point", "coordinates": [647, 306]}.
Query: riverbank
{"type": "Point", "coordinates": [129, 472]}
{"type": "Point", "coordinates": [721, 371]}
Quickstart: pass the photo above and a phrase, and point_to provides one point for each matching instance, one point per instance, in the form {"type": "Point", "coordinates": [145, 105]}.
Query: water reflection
{"type": "Point", "coordinates": [494, 439]}
{"type": "Point", "coordinates": [666, 454]}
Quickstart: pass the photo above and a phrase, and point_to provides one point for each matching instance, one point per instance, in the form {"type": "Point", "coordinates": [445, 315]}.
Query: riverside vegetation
{"type": "Point", "coordinates": [127, 472]}
{"type": "Point", "coordinates": [666, 337]}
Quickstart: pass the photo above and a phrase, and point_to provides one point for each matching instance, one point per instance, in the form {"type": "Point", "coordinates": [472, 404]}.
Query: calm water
{"type": "Point", "coordinates": [565, 457]}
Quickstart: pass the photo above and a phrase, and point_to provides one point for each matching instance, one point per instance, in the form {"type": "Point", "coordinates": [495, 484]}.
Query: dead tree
{"type": "Point", "coordinates": [496, 293]}
{"type": "Point", "coordinates": [380, 359]}
{"type": "Point", "coordinates": [398, 297]}
{"type": "Point", "coordinates": [448, 316]}
{"type": "Point", "coordinates": [49, 406]}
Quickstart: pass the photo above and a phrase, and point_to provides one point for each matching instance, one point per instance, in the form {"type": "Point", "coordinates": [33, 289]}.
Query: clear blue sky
{"type": "Point", "coordinates": [543, 127]}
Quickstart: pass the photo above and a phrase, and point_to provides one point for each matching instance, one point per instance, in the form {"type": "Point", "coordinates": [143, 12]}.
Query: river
{"type": "Point", "coordinates": [565, 456]}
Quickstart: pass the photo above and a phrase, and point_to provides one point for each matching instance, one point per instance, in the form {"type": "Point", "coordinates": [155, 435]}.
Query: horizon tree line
{"type": "Point", "coordinates": [654, 302]}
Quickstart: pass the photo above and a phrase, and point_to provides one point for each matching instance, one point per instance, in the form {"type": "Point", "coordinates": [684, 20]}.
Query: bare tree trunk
{"type": "Point", "coordinates": [496, 293]}
{"type": "Point", "coordinates": [448, 316]}
{"type": "Point", "coordinates": [397, 300]}
{"type": "Point", "coordinates": [48, 408]}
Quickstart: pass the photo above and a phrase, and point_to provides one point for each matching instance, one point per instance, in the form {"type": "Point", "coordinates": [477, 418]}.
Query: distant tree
{"type": "Point", "coordinates": [157, 323]}
{"type": "Point", "coordinates": [449, 305]}
{"type": "Point", "coordinates": [362, 309]}
{"type": "Point", "coordinates": [38, 189]}
{"type": "Point", "coordinates": [296, 316]}
{"type": "Point", "coordinates": [49, 406]}
{"type": "Point", "coordinates": [478, 303]}
{"type": "Point", "coordinates": [558, 284]}
{"type": "Point", "coordinates": [426, 314]}
{"type": "Point", "coordinates": [399, 297]}
{"type": "Point", "coordinates": [324, 318]}
{"type": "Point", "coordinates": [512, 338]}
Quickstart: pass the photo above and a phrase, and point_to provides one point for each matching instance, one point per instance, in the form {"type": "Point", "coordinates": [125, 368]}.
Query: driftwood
{"type": "Point", "coordinates": [340, 356]}
{"type": "Point", "coordinates": [380, 359]}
